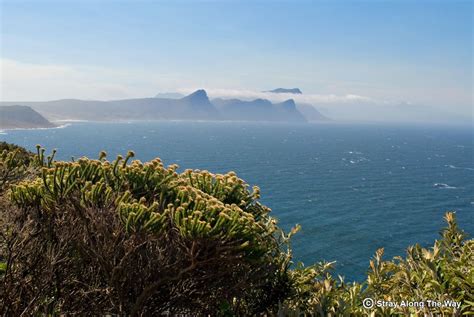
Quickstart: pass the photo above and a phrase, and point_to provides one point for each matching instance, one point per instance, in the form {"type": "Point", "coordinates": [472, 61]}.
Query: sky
{"type": "Point", "coordinates": [337, 52]}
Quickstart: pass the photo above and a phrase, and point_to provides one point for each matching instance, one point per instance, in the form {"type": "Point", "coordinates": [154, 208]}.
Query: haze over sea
{"type": "Point", "coordinates": [353, 188]}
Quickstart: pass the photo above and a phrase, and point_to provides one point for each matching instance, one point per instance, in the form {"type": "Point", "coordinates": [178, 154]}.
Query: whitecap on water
{"type": "Point", "coordinates": [443, 186]}
{"type": "Point", "coordinates": [461, 168]}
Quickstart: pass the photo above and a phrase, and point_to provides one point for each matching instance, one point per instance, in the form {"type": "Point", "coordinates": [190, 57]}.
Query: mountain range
{"type": "Point", "coordinates": [196, 106]}
{"type": "Point", "coordinates": [258, 110]}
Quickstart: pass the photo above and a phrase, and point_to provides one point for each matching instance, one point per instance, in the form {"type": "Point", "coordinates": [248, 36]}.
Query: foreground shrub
{"type": "Point", "coordinates": [98, 237]}
{"type": "Point", "coordinates": [443, 273]}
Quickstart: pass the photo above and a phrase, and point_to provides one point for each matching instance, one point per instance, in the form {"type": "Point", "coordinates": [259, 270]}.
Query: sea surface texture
{"type": "Point", "coordinates": [353, 188]}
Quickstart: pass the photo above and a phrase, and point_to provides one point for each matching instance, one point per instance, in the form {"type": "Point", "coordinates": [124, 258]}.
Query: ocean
{"type": "Point", "coordinates": [352, 187]}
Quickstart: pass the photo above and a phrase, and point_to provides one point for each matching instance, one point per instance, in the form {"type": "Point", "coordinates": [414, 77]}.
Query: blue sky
{"type": "Point", "coordinates": [416, 52]}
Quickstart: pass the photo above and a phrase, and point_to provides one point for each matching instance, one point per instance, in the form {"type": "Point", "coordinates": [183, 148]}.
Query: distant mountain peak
{"type": "Point", "coordinates": [288, 104]}
{"type": "Point", "coordinates": [199, 95]}
{"type": "Point", "coordinates": [296, 91]}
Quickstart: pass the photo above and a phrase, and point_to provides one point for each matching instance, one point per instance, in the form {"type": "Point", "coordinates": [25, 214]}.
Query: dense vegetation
{"type": "Point", "coordinates": [124, 237]}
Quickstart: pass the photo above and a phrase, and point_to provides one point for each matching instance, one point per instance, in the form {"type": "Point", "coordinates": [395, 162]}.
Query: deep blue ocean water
{"type": "Point", "coordinates": [353, 188]}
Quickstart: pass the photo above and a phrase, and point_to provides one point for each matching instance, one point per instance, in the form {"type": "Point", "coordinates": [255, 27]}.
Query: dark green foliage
{"type": "Point", "coordinates": [123, 237]}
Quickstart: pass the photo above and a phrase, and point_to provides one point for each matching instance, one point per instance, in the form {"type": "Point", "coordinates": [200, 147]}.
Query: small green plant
{"type": "Point", "coordinates": [14, 164]}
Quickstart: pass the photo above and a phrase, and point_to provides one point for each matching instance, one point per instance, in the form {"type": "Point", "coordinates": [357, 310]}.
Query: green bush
{"type": "Point", "coordinates": [95, 237]}
{"type": "Point", "coordinates": [99, 237]}
{"type": "Point", "coordinates": [15, 164]}
{"type": "Point", "coordinates": [444, 272]}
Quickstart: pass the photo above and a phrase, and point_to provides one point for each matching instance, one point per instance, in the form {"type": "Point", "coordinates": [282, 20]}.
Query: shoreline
{"type": "Point", "coordinates": [3, 131]}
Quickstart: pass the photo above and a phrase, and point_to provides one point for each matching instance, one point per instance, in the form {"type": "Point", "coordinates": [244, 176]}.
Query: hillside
{"type": "Point", "coordinates": [195, 106]}
{"type": "Point", "coordinates": [15, 117]}
{"type": "Point", "coordinates": [311, 113]}
{"type": "Point", "coordinates": [258, 110]}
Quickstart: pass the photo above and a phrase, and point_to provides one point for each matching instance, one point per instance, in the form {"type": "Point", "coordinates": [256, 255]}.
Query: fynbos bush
{"type": "Point", "coordinates": [442, 274]}
{"type": "Point", "coordinates": [98, 237]}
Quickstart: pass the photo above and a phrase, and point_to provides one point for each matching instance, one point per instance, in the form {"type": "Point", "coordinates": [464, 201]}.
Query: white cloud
{"type": "Point", "coordinates": [303, 98]}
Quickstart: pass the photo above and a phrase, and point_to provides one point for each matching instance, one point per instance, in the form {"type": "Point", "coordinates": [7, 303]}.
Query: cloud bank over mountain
{"type": "Point", "coordinates": [23, 81]}
{"type": "Point", "coordinates": [246, 94]}
{"type": "Point", "coordinates": [349, 107]}
{"type": "Point", "coordinates": [41, 82]}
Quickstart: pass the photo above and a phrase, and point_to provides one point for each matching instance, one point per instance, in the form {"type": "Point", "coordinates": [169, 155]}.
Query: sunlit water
{"type": "Point", "coordinates": [353, 188]}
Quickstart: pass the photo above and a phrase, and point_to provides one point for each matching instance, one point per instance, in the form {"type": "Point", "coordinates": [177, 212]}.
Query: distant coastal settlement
{"type": "Point", "coordinates": [96, 237]}
{"type": "Point", "coordinates": [196, 106]}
